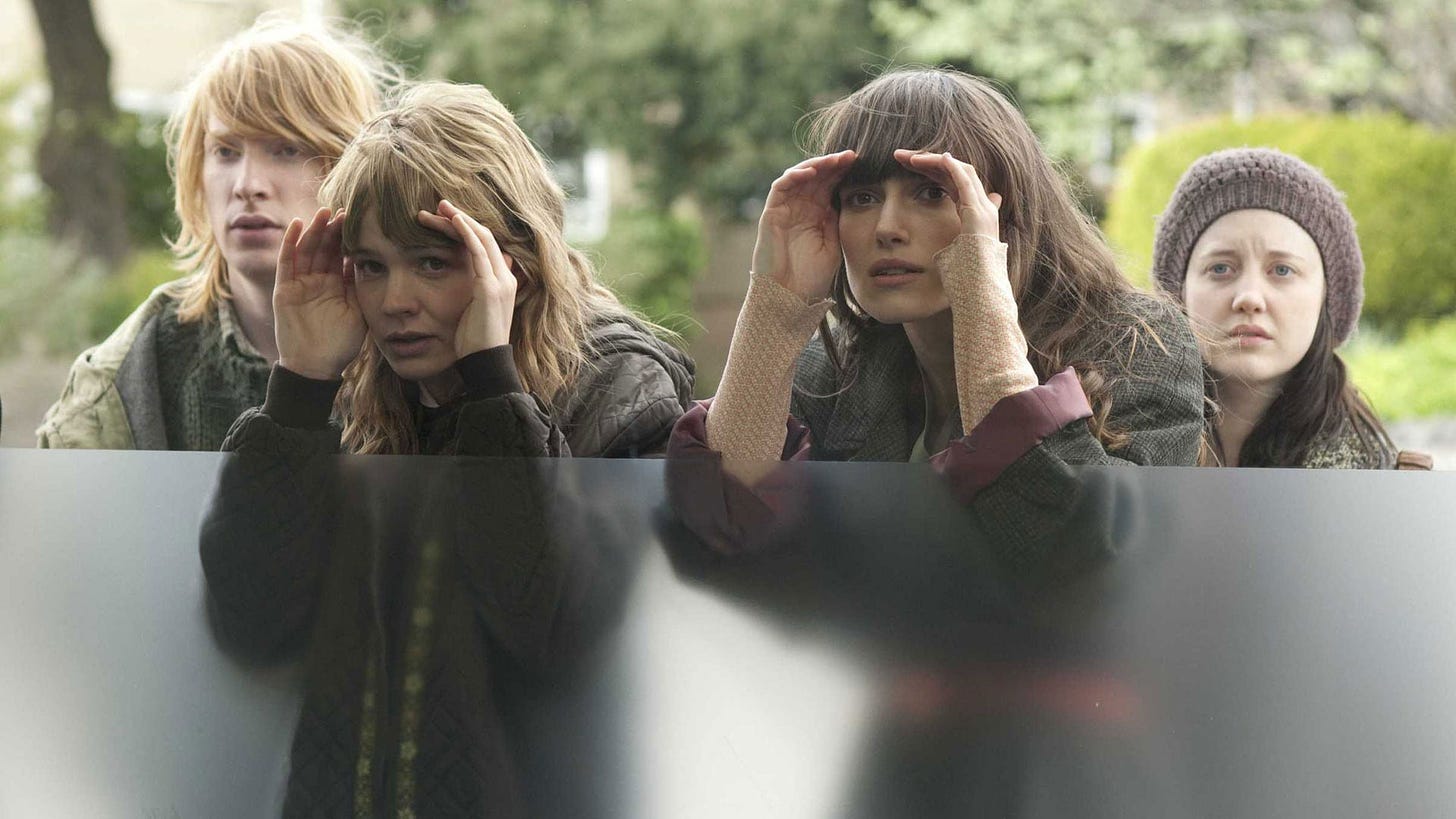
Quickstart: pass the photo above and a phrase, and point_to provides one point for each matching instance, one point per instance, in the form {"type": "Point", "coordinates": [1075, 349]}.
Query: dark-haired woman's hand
{"type": "Point", "coordinates": [798, 234]}
{"type": "Point", "coordinates": [486, 322]}
{"type": "Point", "coordinates": [316, 318]}
{"type": "Point", "coordinates": [980, 211]}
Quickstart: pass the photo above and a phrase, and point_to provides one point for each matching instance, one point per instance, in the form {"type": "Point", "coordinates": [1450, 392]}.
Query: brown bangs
{"type": "Point", "coordinates": [892, 113]}
{"type": "Point", "coordinates": [373, 177]}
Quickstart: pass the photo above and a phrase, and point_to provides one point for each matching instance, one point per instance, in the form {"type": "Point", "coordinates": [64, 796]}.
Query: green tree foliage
{"type": "Point", "coordinates": [1408, 378]}
{"type": "Point", "coordinates": [1079, 67]}
{"type": "Point", "coordinates": [643, 258]}
{"type": "Point", "coordinates": [151, 215]}
{"type": "Point", "coordinates": [22, 209]}
{"type": "Point", "coordinates": [1396, 177]}
{"type": "Point", "coordinates": [702, 94]}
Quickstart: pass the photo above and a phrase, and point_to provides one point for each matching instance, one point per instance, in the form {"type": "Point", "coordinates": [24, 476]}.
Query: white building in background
{"type": "Point", "coordinates": [156, 45]}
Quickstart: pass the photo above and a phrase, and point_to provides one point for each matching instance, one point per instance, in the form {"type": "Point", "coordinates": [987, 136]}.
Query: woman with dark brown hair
{"type": "Point", "coordinates": [1261, 249]}
{"type": "Point", "coordinates": [975, 317]}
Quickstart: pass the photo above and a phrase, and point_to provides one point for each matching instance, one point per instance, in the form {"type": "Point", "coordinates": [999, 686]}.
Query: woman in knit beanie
{"type": "Point", "coordinates": [1262, 251]}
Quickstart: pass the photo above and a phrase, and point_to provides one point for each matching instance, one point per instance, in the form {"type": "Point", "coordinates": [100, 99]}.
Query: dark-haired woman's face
{"type": "Point", "coordinates": [890, 231]}
{"type": "Point", "coordinates": [1255, 286]}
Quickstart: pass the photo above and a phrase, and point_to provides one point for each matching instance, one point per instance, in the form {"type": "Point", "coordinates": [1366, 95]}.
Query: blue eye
{"type": "Point", "coordinates": [1219, 269]}
{"type": "Point", "coordinates": [289, 151]}
{"type": "Point", "coordinates": [224, 152]}
{"type": "Point", "coordinates": [1283, 271]}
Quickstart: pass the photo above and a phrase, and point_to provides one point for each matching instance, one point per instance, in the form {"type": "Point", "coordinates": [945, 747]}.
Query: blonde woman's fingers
{"type": "Point", "coordinates": [313, 235]}
{"type": "Point", "coordinates": [439, 224]}
{"type": "Point", "coordinates": [482, 266]}
{"type": "Point", "coordinates": [331, 248]}
{"type": "Point", "coordinates": [493, 253]}
{"type": "Point", "coordinates": [287, 250]}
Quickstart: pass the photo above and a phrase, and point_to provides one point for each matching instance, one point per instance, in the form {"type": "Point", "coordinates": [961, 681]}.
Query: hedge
{"type": "Point", "coordinates": [1414, 377]}
{"type": "Point", "coordinates": [1399, 180]}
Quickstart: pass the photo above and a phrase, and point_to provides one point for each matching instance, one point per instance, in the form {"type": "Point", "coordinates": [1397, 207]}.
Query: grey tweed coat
{"type": "Point", "coordinates": [1156, 397]}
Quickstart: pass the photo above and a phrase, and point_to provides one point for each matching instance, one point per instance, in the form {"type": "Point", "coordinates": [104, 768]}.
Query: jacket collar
{"type": "Point", "coordinates": [869, 419]}
{"type": "Point", "coordinates": [231, 330]}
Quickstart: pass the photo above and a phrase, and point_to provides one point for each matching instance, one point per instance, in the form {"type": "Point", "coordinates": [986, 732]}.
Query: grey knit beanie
{"type": "Point", "coordinates": [1264, 179]}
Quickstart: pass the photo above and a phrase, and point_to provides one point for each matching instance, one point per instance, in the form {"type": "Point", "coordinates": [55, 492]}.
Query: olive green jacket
{"type": "Point", "coordinates": [112, 398]}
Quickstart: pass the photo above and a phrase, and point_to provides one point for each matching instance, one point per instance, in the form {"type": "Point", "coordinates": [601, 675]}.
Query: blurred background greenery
{"type": "Point", "coordinates": [702, 102]}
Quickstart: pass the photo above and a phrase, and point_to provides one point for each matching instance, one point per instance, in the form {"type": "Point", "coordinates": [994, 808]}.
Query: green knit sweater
{"type": "Point", "coordinates": [208, 374]}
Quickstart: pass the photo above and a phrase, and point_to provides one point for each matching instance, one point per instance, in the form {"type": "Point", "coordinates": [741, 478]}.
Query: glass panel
{"type": "Point", "coordinates": [211, 635]}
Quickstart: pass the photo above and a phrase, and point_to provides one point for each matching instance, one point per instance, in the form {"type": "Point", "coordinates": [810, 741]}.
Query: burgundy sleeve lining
{"type": "Point", "coordinates": [728, 515]}
{"type": "Point", "coordinates": [1015, 425]}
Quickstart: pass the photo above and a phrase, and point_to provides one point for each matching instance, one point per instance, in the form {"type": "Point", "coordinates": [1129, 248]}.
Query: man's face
{"type": "Point", "coordinates": [253, 186]}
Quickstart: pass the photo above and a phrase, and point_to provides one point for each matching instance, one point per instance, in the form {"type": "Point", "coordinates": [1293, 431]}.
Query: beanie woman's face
{"type": "Point", "coordinates": [1254, 290]}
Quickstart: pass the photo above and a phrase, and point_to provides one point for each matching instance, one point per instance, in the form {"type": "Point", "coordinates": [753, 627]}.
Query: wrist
{"type": "Point", "coordinates": [318, 371]}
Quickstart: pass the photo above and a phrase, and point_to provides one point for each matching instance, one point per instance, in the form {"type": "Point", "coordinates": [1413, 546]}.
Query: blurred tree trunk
{"type": "Point", "coordinates": [76, 158]}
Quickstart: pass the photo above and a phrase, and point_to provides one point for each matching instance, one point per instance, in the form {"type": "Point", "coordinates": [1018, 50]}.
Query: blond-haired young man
{"type": "Point", "coordinates": [258, 128]}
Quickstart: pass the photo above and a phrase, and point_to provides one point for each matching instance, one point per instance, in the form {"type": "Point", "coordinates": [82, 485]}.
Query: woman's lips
{"type": "Point", "coordinates": [1246, 336]}
{"type": "Point", "coordinates": [894, 272]}
{"type": "Point", "coordinates": [409, 345]}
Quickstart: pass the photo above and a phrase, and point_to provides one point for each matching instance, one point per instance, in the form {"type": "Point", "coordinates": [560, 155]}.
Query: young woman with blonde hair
{"type": "Point", "coordinates": [443, 291]}
{"type": "Point", "coordinates": [436, 310]}
{"type": "Point", "coordinates": [976, 318]}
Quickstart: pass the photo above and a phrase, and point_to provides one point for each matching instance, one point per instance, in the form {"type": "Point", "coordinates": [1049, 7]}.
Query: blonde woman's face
{"type": "Point", "coordinates": [1255, 286]}
{"type": "Point", "coordinates": [253, 187]}
{"type": "Point", "coordinates": [890, 232]}
{"type": "Point", "coordinates": [412, 299]}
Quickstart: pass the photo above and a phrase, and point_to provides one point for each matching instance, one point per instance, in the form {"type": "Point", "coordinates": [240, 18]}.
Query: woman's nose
{"type": "Point", "coordinates": [399, 296]}
{"type": "Point", "coordinates": [890, 226]}
{"type": "Point", "coordinates": [1249, 296]}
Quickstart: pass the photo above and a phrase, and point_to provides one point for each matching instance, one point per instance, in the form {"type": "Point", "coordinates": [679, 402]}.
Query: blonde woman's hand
{"type": "Point", "coordinates": [980, 211]}
{"type": "Point", "coordinates": [798, 234]}
{"type": "Point", "coordinates": [486, 322]}
{"type": "Point", "coordinates": [316, 316]}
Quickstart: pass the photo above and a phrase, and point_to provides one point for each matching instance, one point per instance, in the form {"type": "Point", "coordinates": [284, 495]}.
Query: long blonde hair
{"type": "Point", "coordinates": [314, 83]}
{"type": "Point", "coordinates": [458, 142]}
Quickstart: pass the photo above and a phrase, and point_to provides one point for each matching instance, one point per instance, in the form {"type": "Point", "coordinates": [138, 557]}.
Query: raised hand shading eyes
{"type": "Point", "coordinates": [979, 209]}
{"type": "Point", "coordinates": [798, 234]}
{"type": "Point", "coordinates": [316, 317]}
{"type": "Point", "coordinates": [486, 322]}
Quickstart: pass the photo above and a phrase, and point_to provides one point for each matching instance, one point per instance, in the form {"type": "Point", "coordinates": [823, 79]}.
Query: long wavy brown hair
{"type": "Point", "coordinates": [458, 142]}
{"type": "Point", "coordinates": [1067, 284]}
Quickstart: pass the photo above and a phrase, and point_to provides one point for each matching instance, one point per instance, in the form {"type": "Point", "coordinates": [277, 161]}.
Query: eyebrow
{"type": "Point", "coordinates": [444, 244]}
{"type": "Point", "coordinates": [1225, 250]}
{"type": "Point", "coordinates": [226, 133]}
